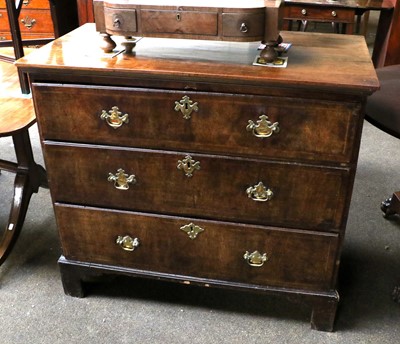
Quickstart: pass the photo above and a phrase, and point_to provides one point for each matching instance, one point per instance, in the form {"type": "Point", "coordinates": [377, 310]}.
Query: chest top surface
{"type": "Point", "coordinates": [314, 60]}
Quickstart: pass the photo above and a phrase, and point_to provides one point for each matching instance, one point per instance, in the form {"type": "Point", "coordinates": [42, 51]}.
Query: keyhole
{"type": "Point", "coordinates": [178, 17]}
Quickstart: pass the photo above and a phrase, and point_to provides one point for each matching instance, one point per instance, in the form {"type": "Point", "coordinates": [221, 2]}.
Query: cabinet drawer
{"type": "Point", "coordinates": [179, 22]}
{"type": "Point", "coordinates": [294, 259]}
{"type": "Point", "coordinates": [31, 21]}
{"type": "Point", "coordinates": [120, 21]}
{"type": "Point", "coordinates": [243, 25]}
{"type": "Point", "coordinates": [308, 129]}
{"type": "Point", "coordinates": [330, 14]}
{"type": "Point", "coordinates": [221, 188]}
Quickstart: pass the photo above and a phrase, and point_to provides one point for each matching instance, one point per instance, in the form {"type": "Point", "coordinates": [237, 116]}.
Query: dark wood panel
{"type": "Point", "coordinates": [65, 16]}
{"type": "Point", "coordinates": [85, 11]}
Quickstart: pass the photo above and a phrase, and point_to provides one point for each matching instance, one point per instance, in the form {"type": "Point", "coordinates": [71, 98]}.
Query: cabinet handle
{"type": "Point", "coordinates": [255, 259]}
{"type": "Point", "coordinates": [114, 117]}
{"type": "Point", "coordinates": [127, 243]}
{"type": "Point", "coordinates": [121, 179]}
{"type": "Point", "coordinates": [28, 22]}
{"type": "Point", "coordinates": [192, 230]}
{"type": "Point", "coordinates": [244, 28]}
{"type": "Point", "coordinates": [117, 23]}
{"type": "Point", "coordinates": [263, 127]}
{"type": "Point", "coordinates": [259, 193]}
{"type": "Point", "coordinates": [186, 106]}
{"type": "Point", "coordinates": [334, 14]}
{"type": "Point", "coordinates": [188, 165]}
{"type": "Point", "coordinates": [304, 12]}
{"type": "Point", "coordinates": [26, 2]}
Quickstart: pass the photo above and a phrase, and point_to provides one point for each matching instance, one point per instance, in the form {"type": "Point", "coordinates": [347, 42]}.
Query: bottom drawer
{"type": "Point", "coordinates": [218, 250]}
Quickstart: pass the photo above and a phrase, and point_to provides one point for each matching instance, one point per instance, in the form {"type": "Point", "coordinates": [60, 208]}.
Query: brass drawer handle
{"type": "Point", "coordinates": [188, 165]}
{"type": "Point", "coordinates": [255, 259]}
{"type": "Point", "coordinates": [259, 193]}
{"type": "Point", "coordinates": [28, 22]}
{"type": "Point", "coordinates": [121, 179]}
{"type": "Point", "coordinates": [244, 28]}
{"type": "Point", "coordinates": [186, 106]}
{"type": "Point", "coordinates": [114, 117]}
{"type": "Point", "coordinates": [192, 230]}
{"type": "Point", "coordinates": [127, 243]}
{"type": "Point", "coordinates": [304, 12]}
{"type": "Point", "coordinates": [263, 127]}
{"type": "Point", "coordinates": [334, 14]}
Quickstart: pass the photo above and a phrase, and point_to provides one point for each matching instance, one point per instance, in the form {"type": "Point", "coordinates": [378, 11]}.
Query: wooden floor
{"type": "Point", "coordinates": [16, 109]}
{"type": "Point", "coordinates": [9, 83]}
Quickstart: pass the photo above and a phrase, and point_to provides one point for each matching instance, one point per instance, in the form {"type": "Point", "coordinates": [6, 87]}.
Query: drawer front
{"type": "Point", "coordinates": [332, 14]}
{"type": "Point", "coordinates": [31, 21]}
{"type": "Point", "coordinates": [179, 22]}
{"type": "Point", "coordinates": [243, 25]}
{"type": "Point", "coordinates": [219, 123]}
{"type": "Point", "coordinates": [292, 258]}
{"type": "Point", "coordinates": [199, 185]}
{"type": "Point", "coordinates": [119, 21]}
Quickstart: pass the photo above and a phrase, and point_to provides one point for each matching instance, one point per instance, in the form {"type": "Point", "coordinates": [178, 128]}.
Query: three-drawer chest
{"type": "Point", "coordinates": [186, 163]}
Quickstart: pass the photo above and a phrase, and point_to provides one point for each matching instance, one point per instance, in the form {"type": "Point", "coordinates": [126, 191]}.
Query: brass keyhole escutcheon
{"type": "Point", "coordinates": [186, 106]}
{"type": "Point", "coordinates": [188, 165]}
{"type": "Point", "coordinates": [114, 117]}
{"type": "Point", "coordinates": [259, 193]}
{"type": "Point", "coordinates": [192, 230]}
{"type": "Point", "coordinates": [263, 127]}
{"type": "Point", "coordinates": [121, 179]}
{"type": "Point", "coordinates": [178, 17]}
{"type": "Point", "coordinates": [127, 243]}
{"type": "Point", "coordinates": [255, 259]}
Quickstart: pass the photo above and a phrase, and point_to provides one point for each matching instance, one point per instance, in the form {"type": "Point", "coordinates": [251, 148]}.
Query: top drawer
{"type": "Point", "coordinates": [179, 22]}
{"type": "Point", "coordinates": [329, 14]}
{"type": "Point", "coordinates": [219, 123]}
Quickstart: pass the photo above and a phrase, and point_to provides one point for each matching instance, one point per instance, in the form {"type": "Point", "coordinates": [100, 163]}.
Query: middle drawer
{"type": "Point", "coordinates": [245, 190]}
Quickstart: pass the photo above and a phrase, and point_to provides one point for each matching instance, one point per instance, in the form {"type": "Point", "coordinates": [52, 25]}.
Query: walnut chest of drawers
{"type": "Point", "coordinates": [188, 164]}
{"type": "Point", "coordinates": [35, 20]}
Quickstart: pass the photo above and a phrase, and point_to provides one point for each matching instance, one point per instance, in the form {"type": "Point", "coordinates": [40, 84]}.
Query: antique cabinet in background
{"type": "Point", "coordinates": [35, 20]}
